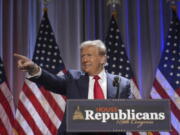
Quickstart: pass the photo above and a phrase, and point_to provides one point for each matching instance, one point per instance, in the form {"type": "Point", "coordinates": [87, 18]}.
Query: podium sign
{"type": "Point", "coordinates": [117, 115]}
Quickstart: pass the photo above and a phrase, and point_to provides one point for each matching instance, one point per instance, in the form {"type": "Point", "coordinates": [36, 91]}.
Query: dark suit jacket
{"type": "Point", "coordinates": [74, 85]}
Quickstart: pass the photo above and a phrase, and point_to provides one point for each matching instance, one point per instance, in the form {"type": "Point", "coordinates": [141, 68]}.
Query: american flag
{"type": "Point", "coordinates": [40, 112]}
{"type": "Point", "coordinates": [6, 105]}
{"type": "Point", "coordinates": [117, 60]}
{"type": "Point", "coordinates": [167, 80]}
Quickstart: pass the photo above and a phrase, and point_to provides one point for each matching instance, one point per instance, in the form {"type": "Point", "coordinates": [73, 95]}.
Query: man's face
{"type": "Point", "coordinates": [91, 61]}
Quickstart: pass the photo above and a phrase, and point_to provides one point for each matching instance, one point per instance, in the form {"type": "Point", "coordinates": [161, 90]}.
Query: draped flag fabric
{"type": "Point", "coordinates": [6, 105]}
{"type": "Point", "coordinates": [167, 80]}
{"type": "Point", "coordinates": [39, 111]}
{"type": "Point", "coordinates": [117, 60]}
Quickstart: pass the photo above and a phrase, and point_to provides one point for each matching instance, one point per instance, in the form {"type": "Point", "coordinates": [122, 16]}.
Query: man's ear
{"type": "Point", "coordinates": [103, 59]}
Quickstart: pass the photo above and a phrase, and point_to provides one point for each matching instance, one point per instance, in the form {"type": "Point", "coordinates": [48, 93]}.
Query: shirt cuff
{"type": "Point", "coordinates": [38, 74]}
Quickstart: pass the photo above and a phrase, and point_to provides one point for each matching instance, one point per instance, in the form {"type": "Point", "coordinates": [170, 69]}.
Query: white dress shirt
{"type": "Point", "coordinates": [102, 82]}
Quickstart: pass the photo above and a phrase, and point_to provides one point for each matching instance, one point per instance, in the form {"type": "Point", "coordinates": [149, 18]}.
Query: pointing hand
{"type": "Point", "coordinates": [27, 65]}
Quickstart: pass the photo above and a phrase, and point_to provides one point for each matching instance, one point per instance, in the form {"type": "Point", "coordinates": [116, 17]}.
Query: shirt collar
{"type": "Point", "coordinates": [102, 75]}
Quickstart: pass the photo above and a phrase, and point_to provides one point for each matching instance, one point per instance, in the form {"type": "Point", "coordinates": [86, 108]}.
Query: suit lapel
{"type": "Point", "coordinates": [83, 84]}
{"type": "Point", "coordinates": [111, 90]}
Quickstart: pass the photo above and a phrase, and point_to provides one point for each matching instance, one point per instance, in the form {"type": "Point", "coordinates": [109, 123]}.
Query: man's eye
{"type": "Point", "coordinates": [89, 55]}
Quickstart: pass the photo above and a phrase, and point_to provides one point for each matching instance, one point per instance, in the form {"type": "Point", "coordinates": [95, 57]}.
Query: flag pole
{"type": "Point", "coordinates": [45, 2]}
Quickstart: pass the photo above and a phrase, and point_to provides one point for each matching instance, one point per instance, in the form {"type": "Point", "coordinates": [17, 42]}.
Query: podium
{"type": "Point", "coordinates": [117, 115]}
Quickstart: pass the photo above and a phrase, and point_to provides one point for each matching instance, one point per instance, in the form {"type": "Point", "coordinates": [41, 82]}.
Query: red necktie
{"type": "Point", "coordinates": [98, 93]}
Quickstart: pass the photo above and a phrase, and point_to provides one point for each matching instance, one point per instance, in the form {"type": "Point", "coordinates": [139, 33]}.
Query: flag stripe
{"type": "Point", "coordinates": [54, 105]}
{"type": "Point", "coordinates": [6, 105]}
{"type": "Point", "coordinates": [39, 108]}
{"type": "Point", "coordinates": [166, 86]}
{"type": "Point", "coordinates": [135, 133]}
{"type": "Point", "coordinates": [5, 120]}
{"type": "Point", "coordinates": [43, 102]}
{"type": "Point", "coordinates": [135, 90]}
{"type": "Point", "coordinates": [155, 133]}
{"type": "Point", "coordinates": [174, 122]}
{"type": "Point", "coordinates": [178, 91]}
{"type": "Point", "coordinates": [5, 98]}
{"type": "Point", "coordinates": [174, 131]}
{"type": "Point", "coordinates": [60, 100]}
{"type": "Point", "coordinates": [33, 114]}
{"type": "Point", "coordinates": [163, 94]}
{"type": "Point", "coordinates": [3, 130]}
{"type": "Point", "coordinates": [164, 133]}
{"type": "Point", "coordinates": [18, 127]}
{"type": "Point", "coordinates": [29, 120]}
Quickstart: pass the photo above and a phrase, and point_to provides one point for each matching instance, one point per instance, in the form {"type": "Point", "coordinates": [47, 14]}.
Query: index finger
{"type": "Point", "coordinates": [21, 56]}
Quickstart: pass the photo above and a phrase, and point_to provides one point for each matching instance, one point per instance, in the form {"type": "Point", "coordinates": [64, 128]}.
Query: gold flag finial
{"type": "Point", "coordinates": [115, 14]}
{"type": "Point", "coordinates": [45, 3]}
{"type": "Point", "coordinates": [113, 4]}
{"type": "Point", "coordinates": [172, 4]}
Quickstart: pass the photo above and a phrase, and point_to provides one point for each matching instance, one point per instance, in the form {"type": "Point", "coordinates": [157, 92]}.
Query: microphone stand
{"type": "Point", "coordinates": [116, 84]}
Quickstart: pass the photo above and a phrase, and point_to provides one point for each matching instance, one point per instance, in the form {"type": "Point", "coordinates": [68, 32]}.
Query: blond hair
{"type": "Point", "coordinates": [95, 43]}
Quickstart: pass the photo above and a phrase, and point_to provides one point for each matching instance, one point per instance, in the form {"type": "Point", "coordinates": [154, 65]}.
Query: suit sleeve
{"type": "Point", "coordinates": [126, 89]}
{"type": "Point", "coordinates": [52, 82]}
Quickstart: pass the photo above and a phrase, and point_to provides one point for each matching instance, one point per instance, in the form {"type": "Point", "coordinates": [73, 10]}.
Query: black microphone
{"type": "Point", "coordinates": [116, 84]}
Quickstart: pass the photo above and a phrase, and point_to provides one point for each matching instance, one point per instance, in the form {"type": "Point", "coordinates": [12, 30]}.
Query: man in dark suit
{"type": "Point", "coordinates": [80, 84]}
